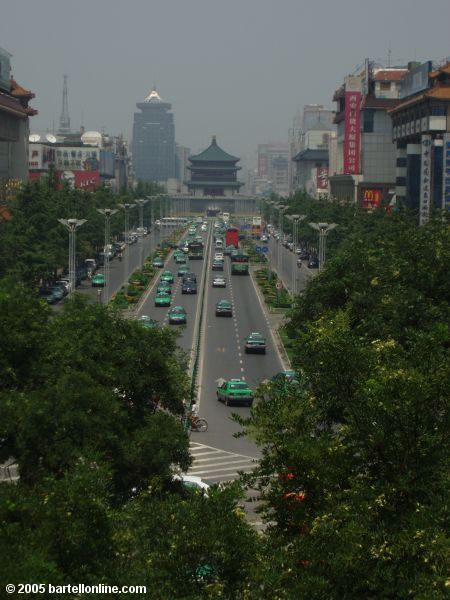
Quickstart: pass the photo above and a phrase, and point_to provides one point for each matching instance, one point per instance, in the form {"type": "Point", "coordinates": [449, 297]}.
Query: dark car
{"type": "Point", "coordinates": [189, 287]}
{"type": "Point", "coordinates": [47, 295]}
{"type": "Point", "coordinates": [190, 277]}
{"type": "Point", "coordinates": [61, 285]}
{"type": "Point", "coordinates": [255, 342]}
{"type": "Point", "coordinates": [313, 262]}
{"type": "Point", "coordinates": [217, 265]}
{"type": "Point", "coordinates": [58, 292]}
{"type": "Point", "coordinates": [303, 254]}
{"type": "Point", "coordinates": [224, 309]}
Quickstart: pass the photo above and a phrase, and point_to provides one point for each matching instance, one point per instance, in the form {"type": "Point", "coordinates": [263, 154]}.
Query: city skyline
{"type": "Point", "coordinates": [235, 71]}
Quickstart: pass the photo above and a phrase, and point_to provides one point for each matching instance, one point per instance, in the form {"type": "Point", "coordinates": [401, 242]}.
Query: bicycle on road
{"type": "Point", "coordinates": [197, 424]}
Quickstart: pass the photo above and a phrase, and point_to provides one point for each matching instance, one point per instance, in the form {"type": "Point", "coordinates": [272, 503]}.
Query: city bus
{"type": "Point", "coordinates": [239, 263]}
{"type": "Point", "coordinates": [195, 250]}
{"type": "Point", "coordinates": [174, 222]}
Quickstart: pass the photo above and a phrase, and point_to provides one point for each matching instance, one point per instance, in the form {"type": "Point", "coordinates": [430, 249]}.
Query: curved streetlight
{"type": "Point", "coordinates": [295, 221]}
{"type": "Point", "coordinates": [323, 229]}
{"type": "Point", "coordinates": [127, 207]}
{"type": "Point", "coordinates": [71, 225]}
{"type": "Point", "coordinates": [107, 212]}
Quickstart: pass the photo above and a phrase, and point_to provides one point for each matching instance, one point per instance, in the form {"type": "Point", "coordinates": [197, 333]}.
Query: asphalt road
{"type": "Point", "coordinates": [218, 455]}
{"type": "Point", "coordinates": [190, 302]}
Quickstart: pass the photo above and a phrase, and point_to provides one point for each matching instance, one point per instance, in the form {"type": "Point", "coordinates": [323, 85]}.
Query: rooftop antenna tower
{"type": "Point", "coordinates": [64, 120]}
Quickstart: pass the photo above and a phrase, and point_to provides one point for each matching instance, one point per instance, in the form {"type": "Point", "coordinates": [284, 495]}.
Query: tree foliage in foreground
{"type": "Point", "coordinates": [356, 457]}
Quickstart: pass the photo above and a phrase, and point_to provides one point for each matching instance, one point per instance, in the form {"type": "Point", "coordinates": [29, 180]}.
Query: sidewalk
{"type": "Point", "coordinates": [276, 320]}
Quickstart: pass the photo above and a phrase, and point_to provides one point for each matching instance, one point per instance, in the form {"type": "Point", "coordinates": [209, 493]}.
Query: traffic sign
{"type": "Point", "coordinates": [265, 249]}
{"type": "Point", "coordinates": [279, 285]}
{"type": "Point", "coordinates": [258, 248]}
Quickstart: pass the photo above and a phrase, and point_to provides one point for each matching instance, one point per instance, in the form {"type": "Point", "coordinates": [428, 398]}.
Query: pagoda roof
{"type": "Point", "coordinates": [213, 154]}
{"type": "Point", "coordinates": [312, 154]}
{"type": "Point", "coordinates": [215, 183]}
{"type": "Point", "coordinates": [202, 167]}
{"type": "Point", "coordinates": [441, 92]}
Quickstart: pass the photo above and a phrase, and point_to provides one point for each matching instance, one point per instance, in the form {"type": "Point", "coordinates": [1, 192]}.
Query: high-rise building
{"type": "Point", "coordinates": [153, 146]}
{"type": "Point", "coordinates": [273, 166]}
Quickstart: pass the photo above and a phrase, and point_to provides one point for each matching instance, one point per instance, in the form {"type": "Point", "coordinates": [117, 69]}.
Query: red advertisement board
{"type": "Point", "coordinates": [86, 180]}
{"type": "Point", "coordinates": [352, 138]}
{"type": "Point", "coordinates": [371, 198]}
{"type": "Point", "coordinates": [322, 178]}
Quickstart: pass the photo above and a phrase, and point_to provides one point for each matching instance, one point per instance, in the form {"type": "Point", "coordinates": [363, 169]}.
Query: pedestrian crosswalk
{"type": "Point", "coordinates": [215, 465]}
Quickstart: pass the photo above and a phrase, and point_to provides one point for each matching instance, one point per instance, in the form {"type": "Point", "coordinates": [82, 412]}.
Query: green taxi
{"type": "Point", "coordinates": [183, 270]}
{"type": "Point", "coordinates": [162, 299]}
{"type": "Point", "coordinates": [164, 286]}
{"type": "Point", "coordinates": [147, 322]}
{"type": "Point", "coordinates": [158, 262]}
{"type": "Point", "coordinates": [167, 276]}
{"type": "Point", "coordinates": [177, 315]}
{"type": "Point", "coordinates": [181, 259]}
{"type": "Point", "coordinates": [235, 391]}
{"type": "Point", "coordinates": [98, 280]}
{"type": "Point", "coordinates": [255, 342]}
{"type": "Point", "coordinates": [224, 308]}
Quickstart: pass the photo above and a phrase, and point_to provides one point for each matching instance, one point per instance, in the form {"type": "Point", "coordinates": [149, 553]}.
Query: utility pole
{"type": "Point", "coordinates": [71, 225]}
{"type": "Point", "coordinates": [107, 212]}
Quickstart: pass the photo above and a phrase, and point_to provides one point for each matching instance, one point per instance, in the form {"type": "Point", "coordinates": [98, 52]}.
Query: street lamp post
{"type": "Point", "coordinates": [295, 221]}
{"type": "Point", "coordinates": [107, 212]}
{"type": "Point", "coordinates": [323, 229]}
{"type": "Point", "coordinates": [71, 225]}
{"type": "Point", "coordinates": [127, 207]}
{"type": "Point", "coordinates": [281, 209]}
{"type": "Point", "coordinates": [140, 202]}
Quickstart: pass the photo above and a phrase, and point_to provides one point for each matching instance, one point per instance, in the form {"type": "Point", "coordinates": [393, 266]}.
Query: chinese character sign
{"type": "Point", "coordinates": [425, 180]}
{"type": "Point", "coordinates": [322, 178]}
{"type": "Point", "coordinates": [352, 132]}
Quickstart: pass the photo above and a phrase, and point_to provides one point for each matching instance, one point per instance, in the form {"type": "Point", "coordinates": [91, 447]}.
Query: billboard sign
{"type": "Point", "coordinates": [415, 80]}
{"type": "Point", "coordinates": [425, 180]}
{"type": "Point", "coordinates": [322, 178]}
{"type": "Point", "coordinates": [86, 180]}
{"type": "Point", "coordinates": [446, 173]}
{"type": "Point", "coordinates": [371, 198]}
{"type": "Point", "coordinates": [352, 138]}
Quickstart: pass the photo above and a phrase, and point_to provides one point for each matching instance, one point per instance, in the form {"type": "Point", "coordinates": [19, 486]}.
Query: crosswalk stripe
{"type": "Point", "coordinates": [220, 465]}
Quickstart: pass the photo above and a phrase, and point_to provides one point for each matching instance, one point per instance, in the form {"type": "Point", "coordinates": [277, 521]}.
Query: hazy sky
{"type": "Point", "coordinates": [238, 69]}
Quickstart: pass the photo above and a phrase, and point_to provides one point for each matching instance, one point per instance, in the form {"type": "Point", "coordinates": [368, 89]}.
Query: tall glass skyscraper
{"type": "Point", "coordinates": [153, 143]}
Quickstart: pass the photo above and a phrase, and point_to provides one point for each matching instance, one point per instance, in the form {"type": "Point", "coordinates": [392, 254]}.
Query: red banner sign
{"type": "Point", "coordinates": [322, 178]}
{"type": "Point", "coordinates": [352, 139]}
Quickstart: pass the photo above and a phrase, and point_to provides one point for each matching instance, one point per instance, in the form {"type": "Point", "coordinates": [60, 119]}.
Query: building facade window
{"type": "Point", "coordinates": [368, 120]}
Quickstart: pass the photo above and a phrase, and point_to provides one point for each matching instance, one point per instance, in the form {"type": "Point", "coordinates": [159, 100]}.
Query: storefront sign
{"type": "Point", "coordinates": [446, 173]}
{"type": "Point", "coordinates": [352, 132]}
{"type": "Point", "coordinates": [425, 180]}
{"type": "Point", "coordinates": [371, 198]}
{"type": "Point", "coordinates": [322, 178]}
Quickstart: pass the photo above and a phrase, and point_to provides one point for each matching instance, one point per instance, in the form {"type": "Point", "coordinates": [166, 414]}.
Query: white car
{"type": "Point", "coordinates": [204, 228]}
{"type": "Point", "coordinates": [219, 256]}
{"type": "Point", "coordinates": [219, 282]}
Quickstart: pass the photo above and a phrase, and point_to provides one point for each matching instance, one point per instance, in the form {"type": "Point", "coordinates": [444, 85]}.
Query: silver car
{"type": "Point", "coordinates": [219, 282]}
